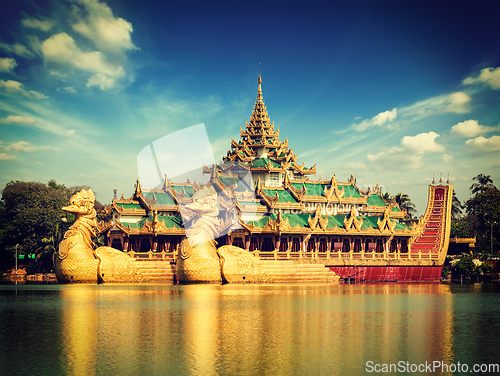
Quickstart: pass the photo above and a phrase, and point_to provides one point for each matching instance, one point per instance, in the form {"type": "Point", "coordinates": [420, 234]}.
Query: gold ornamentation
{"type": "Point", "coordinates": [199, 260]}
{"type": "Point", "coordinates": [386, 223]}
{"type": "Point", "coordinates": [77, 262]}
{"type": "Point", "coordinates": [353, 220]}
{"type": "Point", "coordinates": [317, 220]}
{"type": "Point", "coordinates": [238, 265]}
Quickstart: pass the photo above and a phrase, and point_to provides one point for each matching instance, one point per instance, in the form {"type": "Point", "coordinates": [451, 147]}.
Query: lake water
{"type": "Point", "coordinates": [315, 329]}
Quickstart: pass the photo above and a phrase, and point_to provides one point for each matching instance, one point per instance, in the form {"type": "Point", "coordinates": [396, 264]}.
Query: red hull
{"type": "Point", "coordinates": [389, 273]}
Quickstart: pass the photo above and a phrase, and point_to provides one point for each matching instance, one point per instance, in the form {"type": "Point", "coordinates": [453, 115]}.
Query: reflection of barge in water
{"type": "Point", "coordinates": [286, 217]}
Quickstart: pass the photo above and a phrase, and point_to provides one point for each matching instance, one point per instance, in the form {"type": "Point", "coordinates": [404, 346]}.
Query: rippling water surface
{"type": "Point", "coordinates": [244, 329]}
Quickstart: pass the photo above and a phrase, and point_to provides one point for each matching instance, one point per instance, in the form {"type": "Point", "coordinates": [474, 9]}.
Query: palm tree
{"type": "Point", "coordinates": [386, 196]}
{"type": "Point", "coordinates": [44, 254]}
{"type": "Point", "coordinates": [404, 202]}
{"type": "Point", "coordinates": [456, 206]}
{"type": "Point", "coordinates": [483, 182]}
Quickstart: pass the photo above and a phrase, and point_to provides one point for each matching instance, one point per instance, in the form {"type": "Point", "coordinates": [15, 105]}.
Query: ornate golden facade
{"type": "Point", "coordinates": [284, 214]}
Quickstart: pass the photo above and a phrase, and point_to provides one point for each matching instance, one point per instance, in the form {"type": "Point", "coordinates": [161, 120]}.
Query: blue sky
{"type": "Point", "coordinates": [393, 92]}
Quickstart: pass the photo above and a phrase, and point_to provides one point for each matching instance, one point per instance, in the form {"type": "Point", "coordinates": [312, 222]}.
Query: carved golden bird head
{"type": "Point", "coordinates": [81, 203]}
{"type": "Point", "coordinates": [204, 201]}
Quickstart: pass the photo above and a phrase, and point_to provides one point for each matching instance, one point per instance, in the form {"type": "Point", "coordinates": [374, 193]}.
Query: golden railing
{"type": "Point", "coordinates": [329, 255]}
{"type": "Point", "coordinates": [288, 255]}
{"type": "Point", "coordinates": [154, 256]}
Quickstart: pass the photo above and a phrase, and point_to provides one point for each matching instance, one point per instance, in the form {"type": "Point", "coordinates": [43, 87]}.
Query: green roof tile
{"type": "Point", "coordinates": [129, 206]}
{"type": "Point", "coordinates": [162, 198]}
{"type": "Point", "coordinates": [189, 190]}
{"type": "Point", "coordinates": [262, 162]}
{"type": "Point", "coordinates": [349, 190]}
{"type": "Point", "coordinates": [170, 222]}
{"type": "Point", "coordinates": [338, 220]}
{"type": "Point", "coordinates": [283, 195]}
{"type": "Point", "coordinates": [375, 200]}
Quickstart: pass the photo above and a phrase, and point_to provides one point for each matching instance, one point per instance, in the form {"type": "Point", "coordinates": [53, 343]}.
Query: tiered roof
{"type": "Point", "coordinates": [297, 205]}
{"type": "Point", "coordinates": [260, 146]}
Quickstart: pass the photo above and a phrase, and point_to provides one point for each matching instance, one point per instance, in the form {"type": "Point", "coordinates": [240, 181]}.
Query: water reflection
{"type": "Point", "coordinates": [244, 330]}
{"type": "Point", "coordinates": [79, 330]}
{"type": "Point", "coordinates": [305, 329]}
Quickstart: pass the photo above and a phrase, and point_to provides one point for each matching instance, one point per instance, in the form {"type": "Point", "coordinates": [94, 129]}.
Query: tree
{"type": "Point", "coordinates": [465, 266]}
{"type": "Point", "coordinates": [386, 196]}
{"type": "Point", "coordinates": [483, 182]}
{"type": "Point", "coordinates": [30, 217]}
{"type": "Point", "coordinates": [30, 211]}
{"type": "Point", "coordinates": [43, 258]}
{"type": "Point", "coordinates": [404, 202]}
{"type": "Point", "coordinates": [483, 214]}
{"type": "Point", "coordinates": [462, 228]}
{"type": "Point", "coordinates": [456, 206]}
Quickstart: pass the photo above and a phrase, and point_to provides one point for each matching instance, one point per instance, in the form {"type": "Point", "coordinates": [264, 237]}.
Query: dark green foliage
{"type": "Point", "coordinates": [445, 272]}
{"type": "Point", "coordinates": [462, 228]}
{"type": "Point", "coordinates": [482, 183]}
{"type": "Point", "coordinates": [30, 215]}
{"type": "Point", "coordinates": [30, 212]}
{"type": "Point", "coordinates": [456, 206]}
{"type": "Point", "coordinates": [50, 244]}
{"type": "Point", "coordinates": [483, 215]}
{"type": "Point", "coordinates": [466, 266]}
{"type": "Point", "coordinates": [404, 202]}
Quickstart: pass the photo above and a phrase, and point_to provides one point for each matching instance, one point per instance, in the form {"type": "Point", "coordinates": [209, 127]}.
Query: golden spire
{"type": "Point", "coordinates": [260, 118]}
{"type": "Point", "coordinates": [259, 92]}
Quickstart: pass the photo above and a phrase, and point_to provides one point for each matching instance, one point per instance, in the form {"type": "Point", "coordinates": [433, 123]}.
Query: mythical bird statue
{"type": "Point", "coordinates": [199, 260]}
{"type": "Point", "coordinates": [77, 261]}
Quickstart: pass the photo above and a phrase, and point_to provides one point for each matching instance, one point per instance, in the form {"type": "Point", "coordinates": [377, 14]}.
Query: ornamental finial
{"type": "Point", "coordinates": [259, 92]}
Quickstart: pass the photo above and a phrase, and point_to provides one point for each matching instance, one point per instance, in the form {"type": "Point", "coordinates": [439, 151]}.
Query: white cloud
{"type": "Point", "coordinates": [470, 128]}
{"type": "Point", "coordinates": [70, 89]}
{"type": "Point", "coordinates": [23, 120]}
{"type": "Point", "coordinates": [489, 76]}
{"type": "Point", "coordinates": [395, 158]}
{"type": "Point", "coordinates": [447, 158]}
{"type": "Point", "coordinates": [457, 102]}
{"type": "Point", "coordinates": [382, 119]}
{"type": "Point", "coordinates": [62, 49]}
{"type": "Point", "coordinates": [102, 81]}
{"type": "Point", "coordinates": [95, 49]}
{"type": "Point", "coordinates": [15, 87]}
{"type": "Point", "coordinates": [482, 145]}
{"type": "Point", "coordinates": [422, 142]}
{"type": "Point", "coordinates": [34, 23]}
{"type": "Point", "coordinates": [6, 157]}
{"type": "Point", "coordinates": [35, 44]}
{"type": "Point", "coordinates": [26, 147]}
{"type": "Point", "coordinates": [7, 64]}
{"type": "Point", "coordinates": [108, 33]}
{"type": "Point", "coordinates": [17, 49]}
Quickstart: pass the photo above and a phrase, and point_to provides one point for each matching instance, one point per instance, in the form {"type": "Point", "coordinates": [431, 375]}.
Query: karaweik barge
{"type": "Point", "coordinates": [294, 229]}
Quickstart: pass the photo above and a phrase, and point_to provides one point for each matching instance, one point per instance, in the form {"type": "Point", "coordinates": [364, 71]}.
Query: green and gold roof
{"type": "Point", "coordinates": [296, 204]}
{"type": "Point", "coordinates": [260, 146]}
